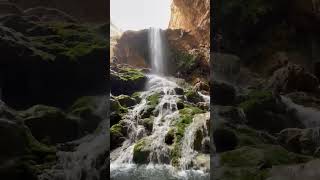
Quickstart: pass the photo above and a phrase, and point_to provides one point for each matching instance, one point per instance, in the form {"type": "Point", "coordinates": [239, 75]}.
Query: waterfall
{"type": "Point", "coordinates": [159, 162]}
{"type": "Point", "coordinates": [157, 51]}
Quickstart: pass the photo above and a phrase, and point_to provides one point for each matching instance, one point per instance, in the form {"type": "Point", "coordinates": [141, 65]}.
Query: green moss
{"type": "Point", "coordinates": [257, 99]}
{"type": "Point", "coordinates": [141, 152]}
{"type": "Point", "coordinates": [253, 156]}
{"type": "Point", "coordinates": [116, 130]}
{"type": "Point", "coordinates": [153, 100]}
{"type": "Point", "coordinates": [136, 96]}
{"type": "Point", "coordinates": [130, 74]}
{"type": "Point", "coordinates": [183, 60]}
{"type": "Point", "coordinates": [186, 118]}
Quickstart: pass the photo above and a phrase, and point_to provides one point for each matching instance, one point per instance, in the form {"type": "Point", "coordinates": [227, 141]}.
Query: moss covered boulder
{"type": "Point", "coordinates": [141, 151]}
{"type": "Point", "coordinates": [126, 80]}
{"type": "Point", "coordinates": [66, 61]}
{"type": "Point", "coordinates": [266, 111]}
{"type": "Point", "coordinates": [50, 124]}
{"type": "Point", "coordinates": [90, 111]}
{"type": "Point", "coordinates": [117, 135]}
{"type": "Point", "coordinates": [254, 162]}
{"type": "Point", "coordinates": [126, 101]}
{"type": "Point", "coordinates": [193, 97]}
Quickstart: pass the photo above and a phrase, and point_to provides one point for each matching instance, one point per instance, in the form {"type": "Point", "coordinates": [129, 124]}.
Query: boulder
{"type": "Point", "coordinates": [126, 101]}
{"type": "Point", "coordinates": [63, 58]}
{"type": "Point", "coordinates": [224, 140]}
{"type": "Point", "coordinates": [117, 135]}
{"type": "Point", "coordinates": [293, 78]}
{"type": "Point", "coordinates": [193, 97]}
{"type": "Point", "coordinates": [304, 141]}
{"type": "Point", "coordinates": [141, 151]}
{"type": "Point", "coordinates": [126, 80]}
{"type": "Point", "coordinates": [222, 93]}
{"type": "Point", "coordinates": [266, 111]}
{"type": "Point", "coordinates": [50, 125]}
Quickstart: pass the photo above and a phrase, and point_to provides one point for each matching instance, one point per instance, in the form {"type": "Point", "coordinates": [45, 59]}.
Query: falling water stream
{"type": "Point", "coordinates": [122, 166]}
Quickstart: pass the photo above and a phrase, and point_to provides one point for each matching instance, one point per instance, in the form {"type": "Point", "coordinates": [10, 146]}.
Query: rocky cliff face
{"type": "Point", "coordinates": [192, 16]}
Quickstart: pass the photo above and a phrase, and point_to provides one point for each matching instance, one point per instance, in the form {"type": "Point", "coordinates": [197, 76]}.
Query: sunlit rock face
{"type": "Point", "coordinates": [132, 48]}
{"type": "Point", "coordinates": [93, 11]}
{"type": "Point", "coordinates": [193, 16]}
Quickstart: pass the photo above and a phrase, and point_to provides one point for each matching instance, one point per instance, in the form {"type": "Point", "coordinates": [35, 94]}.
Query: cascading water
{"type": "Point", "coordinates": [159, 168]}
{"type": "Point", "coordinates": [89, 158]}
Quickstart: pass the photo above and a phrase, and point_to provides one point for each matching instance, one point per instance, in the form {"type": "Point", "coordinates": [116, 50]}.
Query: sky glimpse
{"type": "Point", "coordinates": [140, 14]}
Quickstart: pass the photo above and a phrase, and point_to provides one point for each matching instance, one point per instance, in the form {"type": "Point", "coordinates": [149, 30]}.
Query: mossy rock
{"type": "Point", "coordinates": [193, 97]}
{"type": "Point", "coordinates": [126, 101]}
{"type": "Point", "coordinates": [127, 81]}
{"type": "Point", "coordinates": [90, 111]}
{"type": "Point", "coordinates": [152, 103]}
{"type": "Point", "coordinates": [141, 151]}
{"type": "Point", "coordinates": [265, 111]}
{"type": "Point", "coordinates": [50, 123]}
{"type": "Point", "coordinates": [148, 123]}
{"type": "Point", "coordinates": [117, 135]}
{"type": "Point", "coordinates": [253, 156]}
{"type": "Point", "coordinates": [136, 96]}
{"type": "Point", "coordinates": [169, 138]}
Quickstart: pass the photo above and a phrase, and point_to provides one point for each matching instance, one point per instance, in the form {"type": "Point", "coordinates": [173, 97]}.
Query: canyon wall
{"type": "Point", "coordinates": [192, 16]}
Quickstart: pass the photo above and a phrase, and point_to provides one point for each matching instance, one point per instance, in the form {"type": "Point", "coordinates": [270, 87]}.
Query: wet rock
{"type": "Point", "coordinates": [206, 145]}
{"type": "Point", "coordinates": [179, 91]}
{"type": "Point", "coordinates": [115, 118]}
{"type": "Point", "coordinates": [223, 93]}
{"type": "Point", "coordinates": [230, 115]}
{"type": "Point", "coordinates": [266, 111]}
{"type": "Point", "coordinates": [197, 144]}
{"type": "Point", "coordinates": [293, 78]}
{"type": "Point", "coordinates": [50, 124]}
{"type": "Point", "coordinates": [117, 134]}
{"type": "Point", "coordinates": [180, 104]}
{"type": "Point", "coordinates": [224, 140]}
{"type": "Point", "coordinates": [304, 141]}
{"type": "Point", "coordinates": [169, 138]}
{"type": "Point", "coordinates": [201, 86]}
{"type": "Point", "coordinates": [126, 80]}
{"type": "Point", "coordinates": [194, 97]}
{"type": "Point", "coordinates": [126, 101]}
{"type": "Point", "coordinates": [141, 151]}
{"type": "Point", "coordinates": [90, 111]}
{"type": "Point", "coordinates": [148, 123]}
{"type": "Point", "coordinates": [203, 105]}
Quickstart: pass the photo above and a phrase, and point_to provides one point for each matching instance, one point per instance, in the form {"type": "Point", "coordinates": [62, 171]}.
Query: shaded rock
{"type": "Point", "coordinates": [229, 115]}
{"type": "Point", "coordinates": [197, 144]}
{"type": "Point", "coordinates": [90, 111]}
{"type": "Point", "coordinates": [126, 101]}
{"type": "Point", "coordinates": [148, 123]}
{"type": "Point", "coordinates": [49, 14]}
{"type": "Point", "coordinates": [266, 111]}
{"type": "Point", "coordinates": [193, 97]}
{"type": "Point", "coordinates": [223, 93]}
{"type": "Point", "coordinates": [115, 118]}
{"type": "Point", "coordinates": [64, 59]}
{"type": "Point", "coordinates": [180, 104]}
{"type": "Point", "coordinates": [293, 78]}
{"type": "Point", "coordinates": [169, 138]}
{"type": "Point", "coordinates": [9, 8]}
{"type": "Point", "coordinates": [179, 91]}
{"type": "Point", "coordinates": [50, 124]}
{"type": "Point", "coordinates": [304, 141]}
{"type": "Point", "coordinates": [224, 140]}
{"type": "Point", "coordinates": [117, 135]}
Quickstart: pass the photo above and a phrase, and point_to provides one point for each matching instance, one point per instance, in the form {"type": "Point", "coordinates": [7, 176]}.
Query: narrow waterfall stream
{"type": "Point", "coordinates": [159, 165]}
